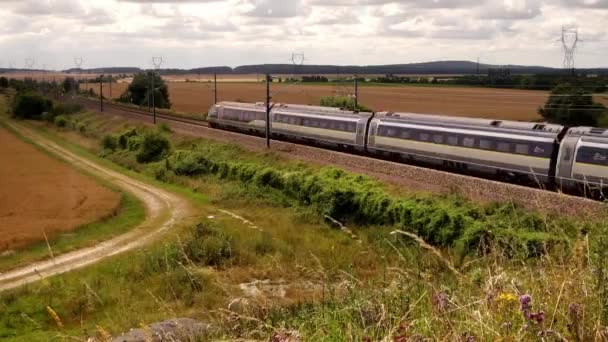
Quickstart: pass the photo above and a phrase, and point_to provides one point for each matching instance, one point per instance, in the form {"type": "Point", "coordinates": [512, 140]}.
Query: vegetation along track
{"type": "Point", "coordinates": [163, 209]}
{"type": "Point", "coordinates": [410, 177]}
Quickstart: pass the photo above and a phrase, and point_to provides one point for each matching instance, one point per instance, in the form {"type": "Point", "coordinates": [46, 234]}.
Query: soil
{"type": "Point", "coordinates": [41, 195]}
{"type": "Point", "coordinates": [193, 94]}
{"type": "Point", "coordinates": [164, 210]}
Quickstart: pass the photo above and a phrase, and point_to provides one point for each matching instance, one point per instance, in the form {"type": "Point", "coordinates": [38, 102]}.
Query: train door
{"type": "Point", "coordinates": [565, 161]}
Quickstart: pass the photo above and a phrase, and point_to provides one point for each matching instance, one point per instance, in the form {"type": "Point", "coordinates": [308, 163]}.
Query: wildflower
{"type": "Point", "coordinates": [507, 297]}
{"type": "Point", "coordinates": [526, 302]}
{"type": "Point", "coordinates": [441, 301]}
{"type": "Point", "coordinates": [538, 317]}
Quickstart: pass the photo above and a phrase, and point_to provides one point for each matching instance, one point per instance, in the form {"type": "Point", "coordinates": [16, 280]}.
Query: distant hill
{"type": "Point", "coordinates": [429, 68]}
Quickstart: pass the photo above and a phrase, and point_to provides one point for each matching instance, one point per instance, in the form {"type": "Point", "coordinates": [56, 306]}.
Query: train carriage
{"type": "Point", "coordinates": [321, 125]}
{"type": "Point", "coordinates": [511, 150]}
{"type": "Point", "coordinates": [325, 126]}
{"type": "Point", "coordinates": [583, 159]}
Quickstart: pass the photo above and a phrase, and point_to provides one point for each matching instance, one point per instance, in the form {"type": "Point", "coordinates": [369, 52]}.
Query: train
{"type": "Point", "coordinates": [551, 156]}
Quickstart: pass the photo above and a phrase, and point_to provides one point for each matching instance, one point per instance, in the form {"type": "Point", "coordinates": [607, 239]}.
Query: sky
{"type": "Point", "coordinates": [51, 34]}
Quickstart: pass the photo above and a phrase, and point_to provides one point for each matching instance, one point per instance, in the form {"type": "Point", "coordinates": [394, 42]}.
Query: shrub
{"type": "Point", "coordinates": [343, 102]}
{"type": "Point", "coordinates": [209, 246]}
{"type": "Point", "coordinates": [30, 106]}
{"type": "Point", "coordinates": [572, 106]}
{"type": "Point", "coordinates": [109, 142]}
{"type": "Point", "coordinates": [134, 142]}
{"type": "Point", "coordinates": [123, 139]}
{"type": "Point", "coordinates": [153, 148]}
{"type": "Point", "coordinates": [66, 108]}
{"type": "Point", "coordinates": [61, 121]}
{"type": "Point", "coordinates": [3, 82]}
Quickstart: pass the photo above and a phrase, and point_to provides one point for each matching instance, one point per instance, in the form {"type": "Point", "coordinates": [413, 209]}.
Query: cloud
{"type": "Point", "coordinates": [586, 3]}
{"type": "Point", "coordinates": [271, 8]}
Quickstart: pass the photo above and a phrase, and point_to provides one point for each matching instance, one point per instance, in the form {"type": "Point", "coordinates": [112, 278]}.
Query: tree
{"type": "Point", "coordinates": [3, 82]}
{"type": "Point", "coordinates": [30, 106]}
{"type": "Point", "coordinates": [572, 106]}
{"type": "Point", "coordinates": [139, 90]}
{"type": "Point", "coordinates": [69, 84]}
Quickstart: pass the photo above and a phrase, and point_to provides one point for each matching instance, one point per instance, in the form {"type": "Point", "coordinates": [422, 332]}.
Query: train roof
{"type": "Point", "coordinates": [299, 109]}
{"type": "Point", "coordinates": [472, 122]}
{"type": "Point", "coordinates": [589, 132]}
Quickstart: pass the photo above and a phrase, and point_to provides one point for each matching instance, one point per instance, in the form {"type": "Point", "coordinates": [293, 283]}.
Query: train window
{"type": "Point", "coordinates": [522, 148]}
{"type": "Point", "coordinates": [405, 134]}
{"type": "Point", "coordinates": [424, 136]}
{"type": "Point", "coordinates": [468, 142]}
{"type": "Point", "coordinates": [323, 123]}
{"type": "Point", "coordinates": [342, 126]}
{"type": "Point", "coordinates": [392, 132]}
{"type": "Point", "coordinates": [438, 138]}
{"type": "Point", "coordinates": [592, 155]}
{"type": "Point", "coordinates": [485, 144]}
{"type": "Point", "coordinates": [503, 147]}
{"type": "Point", "coordinates": [352, 127]}
{"type": "Point", "coordinates": [452, 140]}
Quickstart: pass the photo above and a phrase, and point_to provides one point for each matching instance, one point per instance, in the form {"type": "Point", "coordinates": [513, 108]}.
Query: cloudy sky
{"type": "Point", "coordinates": [192, 33]}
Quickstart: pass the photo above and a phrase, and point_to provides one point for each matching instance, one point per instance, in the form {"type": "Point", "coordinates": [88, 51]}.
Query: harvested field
{"type": "Point", "coordinates": [197, 97]}
{"type": "Point", "coordinates": [39, 194]}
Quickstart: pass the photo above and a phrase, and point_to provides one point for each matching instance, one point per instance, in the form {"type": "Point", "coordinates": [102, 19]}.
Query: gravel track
{"type": "Point", "coordinates": [411, 177]}
{"type": "Point", "coordinates": [163, 211]}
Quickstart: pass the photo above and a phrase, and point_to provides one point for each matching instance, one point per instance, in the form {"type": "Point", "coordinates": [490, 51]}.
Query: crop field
{"type": "Point", "coordinates": [40, 195]}
{"type": "Point", "coordinates": [197, 97]}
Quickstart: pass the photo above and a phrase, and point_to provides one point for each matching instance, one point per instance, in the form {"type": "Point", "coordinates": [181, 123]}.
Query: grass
{"type": "Point", "coordinates": [317, 281]}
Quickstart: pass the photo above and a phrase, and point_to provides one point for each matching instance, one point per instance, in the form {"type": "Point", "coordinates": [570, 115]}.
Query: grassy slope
{"type": "Point", "coordinates": [130, 214]}
{"type": "Point", "coordinates": [336, 287]}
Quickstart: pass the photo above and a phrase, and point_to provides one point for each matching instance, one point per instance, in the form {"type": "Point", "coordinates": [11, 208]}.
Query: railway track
{"type": "Point", "coordinates": [408, 176]}
{"type": "Point", "coordinates": [159, 115]}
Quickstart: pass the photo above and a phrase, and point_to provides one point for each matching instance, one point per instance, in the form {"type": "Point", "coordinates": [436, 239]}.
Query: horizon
{"type": "Point", "coordinates": [191, 33]}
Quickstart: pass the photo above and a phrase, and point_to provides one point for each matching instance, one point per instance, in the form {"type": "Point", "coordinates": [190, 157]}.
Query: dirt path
{"type": "Point", "coordinates": [163, 211]}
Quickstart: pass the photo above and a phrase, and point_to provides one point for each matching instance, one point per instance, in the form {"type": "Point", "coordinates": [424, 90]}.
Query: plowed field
{"type": "Point", "coordinates": [505, 104]}
{"type": "Point", "coordinates": [39, 194]}
{"type": "Point", "coordinates": [197, 97]}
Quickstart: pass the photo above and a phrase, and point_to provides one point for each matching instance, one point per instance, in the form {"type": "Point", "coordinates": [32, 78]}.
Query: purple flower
{"type": "Point", "coordinates": [441, 301]}
{"type": "Point", "coordinates": [526, 302]}
{"type": "Point", "coordinates": [539, 317]}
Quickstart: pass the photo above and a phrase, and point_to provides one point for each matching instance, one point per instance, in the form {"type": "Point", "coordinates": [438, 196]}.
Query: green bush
{"type": "Point", "coordinates": [123, 139]}
{"type": "Point", "coordinates": [61, 121]}
{"type": "Point", "coordinates": [30, 106]}
{"type": "Point", "coordinates": [109, 142]}
{"type": "Point", "coordinates": [66, 108]}
{"type": "Point", "coordinates": [343, 102]}
{"type": "Point", "coordinates": [572, 106]}
{"type": "Point", "coordinates": [345, 197]}
{"type": "Point", "coordinates": [154, 147]}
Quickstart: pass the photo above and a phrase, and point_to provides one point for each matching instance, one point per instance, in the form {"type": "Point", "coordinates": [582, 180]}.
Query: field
{"type": "Point", "coordinates": [197, 97]}
{"type": "Point", "coordinates": [41, 195]}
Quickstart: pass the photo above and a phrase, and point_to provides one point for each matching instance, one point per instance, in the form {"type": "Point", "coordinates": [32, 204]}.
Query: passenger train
{"type": "Point", "coordinates": [552, 156]}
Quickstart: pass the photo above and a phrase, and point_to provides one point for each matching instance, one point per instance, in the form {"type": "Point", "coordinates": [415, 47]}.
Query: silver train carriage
{"type": "Point", "coordinates": [583, 159]}
{"type": "Point", "coordinates": [312, 124]}
{"type": "Point", "coordinates": [510, 150]}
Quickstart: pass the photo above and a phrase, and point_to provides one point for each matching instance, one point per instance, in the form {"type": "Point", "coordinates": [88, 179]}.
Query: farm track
{"type": "Point", "coordinates": [411, 177]}
{"type": "Point", "coordinates": [163, 210]}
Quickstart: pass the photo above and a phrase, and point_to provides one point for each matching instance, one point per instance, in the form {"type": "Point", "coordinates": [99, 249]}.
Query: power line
{"type": "Point", "coordinates": [569, 42]}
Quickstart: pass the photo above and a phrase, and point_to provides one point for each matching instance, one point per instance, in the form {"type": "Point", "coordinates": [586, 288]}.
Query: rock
{"type": "Point", "coordinates": [179, 329]}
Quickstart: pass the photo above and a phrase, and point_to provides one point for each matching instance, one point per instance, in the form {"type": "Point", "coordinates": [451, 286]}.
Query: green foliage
{"type": "Point", "coordinates": [343, 102]}
{"type": "Point", "coordinates": [3, 82]}
{"type": "Point", "coordinates": [30, 106]}
{"type": "Point", "coordinates": [69, 85]}
{"type": "Point", "coordinates": [346, 197]}
{"type": "Point", "coordinates": [572, 106]}
{"type": "Point", "coordinates": [109, 142]}
{"type": "Point", "coordinates": [154, 147]}
{"type": "Point", "coordinates": [67, 108]}
{"type": "Point", "coordinates": [139, 91]}
{"type": "Point", "coordinates": [61, 121]}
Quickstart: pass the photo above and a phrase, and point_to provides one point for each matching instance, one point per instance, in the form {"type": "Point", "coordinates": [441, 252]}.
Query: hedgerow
{"type": "Point", "coordinates": [440, 221]}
